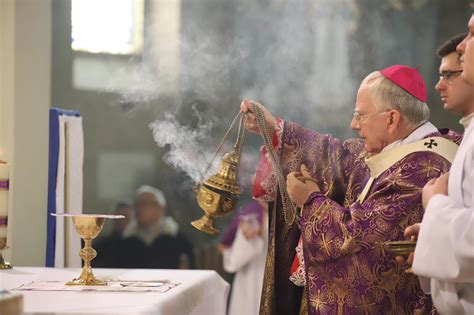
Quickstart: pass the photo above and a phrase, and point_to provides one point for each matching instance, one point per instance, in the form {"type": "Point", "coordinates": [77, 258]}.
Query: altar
{"type": "Point", "coordinates": [193, 292]}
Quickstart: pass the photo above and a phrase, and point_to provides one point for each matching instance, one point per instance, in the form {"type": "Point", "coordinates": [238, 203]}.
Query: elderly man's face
{"type": "Point", "coordinates": [147, 209]}
{"type": "Point", "coordinates": [370, 123]}
{"type": "Point", "coordinates": [466, 49]}
{"type": "Point", "coordinates": [456, 95]}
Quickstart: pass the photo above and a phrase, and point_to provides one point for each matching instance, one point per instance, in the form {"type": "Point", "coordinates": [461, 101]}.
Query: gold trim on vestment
{"type": "Point", "coordinates": [379, 163]}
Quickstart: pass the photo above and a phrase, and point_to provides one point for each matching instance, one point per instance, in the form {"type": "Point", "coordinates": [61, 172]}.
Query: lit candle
{"type": "Point", "coordinates": [4, 184]}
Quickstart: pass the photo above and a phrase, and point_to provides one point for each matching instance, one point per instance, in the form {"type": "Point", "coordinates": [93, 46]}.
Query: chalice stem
{"type": "Point", "coordinates": [87, 254]}
{"type": "Point", "coordinates": [87, 276]}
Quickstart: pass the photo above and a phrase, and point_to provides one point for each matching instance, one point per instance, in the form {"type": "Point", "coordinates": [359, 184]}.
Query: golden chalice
{"type": "Point", "coordinates": [88, 226]}
{"type": "Point", "coordinates": [401, 248]}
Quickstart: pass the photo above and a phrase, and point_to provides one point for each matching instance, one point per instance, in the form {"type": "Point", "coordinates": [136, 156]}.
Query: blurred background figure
{"type": "Point", "coordinates": [153, 240]}
{"type": "Point", "coordinates": [108, 247]}
{"type": "Point", "coordinates": [118, 226]}
{"type": "Point", "coordinates": [244, 250]}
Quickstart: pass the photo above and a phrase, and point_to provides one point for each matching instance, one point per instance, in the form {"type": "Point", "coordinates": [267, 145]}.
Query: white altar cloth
{"type": "Point", "coordinates": [200, 292]}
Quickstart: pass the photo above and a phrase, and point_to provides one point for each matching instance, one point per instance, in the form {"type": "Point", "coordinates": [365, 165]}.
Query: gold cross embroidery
{"type": "Point", "coordinates": [366, 306]}
{"type": "Point", "coordinates": [325, 244]}
{"type": "Point", "coordinates": [318, 303]}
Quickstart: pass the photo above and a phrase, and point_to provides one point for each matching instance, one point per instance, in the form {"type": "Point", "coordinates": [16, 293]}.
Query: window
{"type": "Point", "coordinates": [107, 26]}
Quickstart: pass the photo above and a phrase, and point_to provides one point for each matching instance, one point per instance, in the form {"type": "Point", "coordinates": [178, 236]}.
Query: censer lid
{"type": "Point", "coordinates": [226, 178]}
{"type": "Point", "coordinates": [231, 158]}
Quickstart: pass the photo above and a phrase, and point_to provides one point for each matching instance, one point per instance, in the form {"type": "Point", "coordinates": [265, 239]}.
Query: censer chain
{"type": "Point", "coordinates": [239, 115]}
{"type": "Point", "coordinates": [289, 208]}
{"type": "Point", "coordinates": [240, 135]}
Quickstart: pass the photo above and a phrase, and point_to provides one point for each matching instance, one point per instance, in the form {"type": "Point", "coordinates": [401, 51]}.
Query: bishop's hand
{"type": "Point", "coordinates": [410, 232]}
{"type": "Point", "coordinates": [247, 106]}
{"type": "Point", "coordinates": [300, 185]}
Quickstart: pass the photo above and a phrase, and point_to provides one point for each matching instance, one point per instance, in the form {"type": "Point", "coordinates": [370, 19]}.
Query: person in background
{"type": "Point", "coordinates": [108, 247]}
{"type": "Point", "coordinates": [445, 247]}
{"type": "Point", "coordinates": [244, 250]}
{"type": "Point", "coordinates": [153, 240]}
{"type": "Point", "coordinates": [456, 94]}
{"type": "Point", "coordinates": [118, 226]}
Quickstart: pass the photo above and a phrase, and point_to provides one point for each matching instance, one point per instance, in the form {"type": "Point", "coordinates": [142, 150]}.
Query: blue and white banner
{"type": "Point", "coordinates": [65, 186]}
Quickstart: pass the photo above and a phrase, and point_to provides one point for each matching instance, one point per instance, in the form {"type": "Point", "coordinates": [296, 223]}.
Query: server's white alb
{"type": "Point", "coordinates": [445, 247]}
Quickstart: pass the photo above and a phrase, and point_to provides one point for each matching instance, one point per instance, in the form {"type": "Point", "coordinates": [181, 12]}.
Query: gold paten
{"type": "Point", "coordinates": [401, 248]}
{"type": "Point", "coordinates": [88, 227]}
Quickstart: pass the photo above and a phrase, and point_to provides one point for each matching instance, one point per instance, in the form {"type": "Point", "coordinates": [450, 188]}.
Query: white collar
{"type": "Point", "coordinates": [466, 120]}
{"type": "Point", "coordinates": [419, 133]}
{"type": "Point", "coordinates": [165, 226]}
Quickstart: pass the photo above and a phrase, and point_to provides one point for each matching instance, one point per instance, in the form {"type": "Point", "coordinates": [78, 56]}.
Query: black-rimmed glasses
{"type": "Point", "coordinates": [448, 76]}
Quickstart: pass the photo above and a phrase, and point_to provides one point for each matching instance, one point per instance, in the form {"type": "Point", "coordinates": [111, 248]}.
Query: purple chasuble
{"type": "Point", "coordinates": [347, 269]}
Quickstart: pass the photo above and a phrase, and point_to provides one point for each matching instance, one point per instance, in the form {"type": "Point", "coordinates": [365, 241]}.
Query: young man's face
{"type": "Point", "coordinates": [466, 50]}
{"type": "Point", "coordinates": [457, 95]}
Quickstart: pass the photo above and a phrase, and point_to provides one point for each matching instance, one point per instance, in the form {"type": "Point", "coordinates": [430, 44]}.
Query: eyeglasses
{"type": "Point", "coordinates": [358, 117]}
{"type": "Point", "coordinates": [448, 76]}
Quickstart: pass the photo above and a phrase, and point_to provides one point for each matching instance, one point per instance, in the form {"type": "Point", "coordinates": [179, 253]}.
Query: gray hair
{"type": "Point", "coordinates": [387, 95]}
{"type": "Point", "coordinates": [159, 195]}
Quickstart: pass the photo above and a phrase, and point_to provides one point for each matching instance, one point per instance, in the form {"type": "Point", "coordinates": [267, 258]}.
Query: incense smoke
{"type": "Point", "coordinates": [302, 59]}
{"type": "Point", "coordinates": [187, 149]}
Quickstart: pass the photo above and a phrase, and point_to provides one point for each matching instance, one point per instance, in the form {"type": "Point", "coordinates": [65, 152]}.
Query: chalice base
{"type": "Point", "coordinates": [205, 224]}
{"type": "Point", "coordinates": [86, 278]}
{"type": "Point", "coordinates": [5, 265]}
